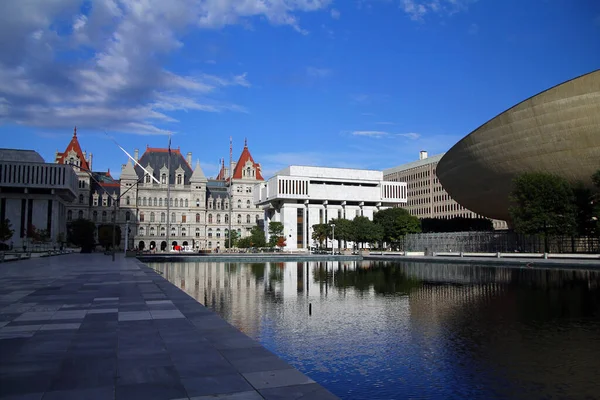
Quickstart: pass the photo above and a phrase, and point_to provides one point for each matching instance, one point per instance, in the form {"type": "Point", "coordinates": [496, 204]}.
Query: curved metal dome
{"type": "Point", "coordinates": [556, 131]}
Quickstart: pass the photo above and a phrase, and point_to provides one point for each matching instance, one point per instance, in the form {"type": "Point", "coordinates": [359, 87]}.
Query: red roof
{"type": "Point", "coordinates": [73, 146]}
{"type": "Point", "coordinates": [221, 176]}
{"type": "Point", "coordinates": [244, 158]}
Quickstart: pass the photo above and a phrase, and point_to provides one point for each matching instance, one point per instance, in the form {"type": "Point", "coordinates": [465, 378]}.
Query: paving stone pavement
{"type": "Point", "coordinates": [80, 326]}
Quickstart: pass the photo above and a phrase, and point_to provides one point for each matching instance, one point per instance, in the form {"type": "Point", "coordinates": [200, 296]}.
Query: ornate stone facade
{"type": "Point", "coordinates": [200, 212]}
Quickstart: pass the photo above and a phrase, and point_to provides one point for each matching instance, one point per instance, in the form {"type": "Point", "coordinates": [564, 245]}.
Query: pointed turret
{"type": "Point", "coordinates": [246, 168]}
{"type": "Point", "coordinates": [73, 154]}
{"type": "Point", "coordinates": [128, 172]}
{"type": "Point", "coordinates": [198, 175]}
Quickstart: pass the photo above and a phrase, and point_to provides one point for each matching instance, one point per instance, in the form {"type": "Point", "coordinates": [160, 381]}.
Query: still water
{"type": "Point", "coordinates": [383, 330]}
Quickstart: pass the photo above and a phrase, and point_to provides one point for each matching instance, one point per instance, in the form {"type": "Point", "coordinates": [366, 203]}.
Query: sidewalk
{"type": "Point", "coordinates": [83, 327]}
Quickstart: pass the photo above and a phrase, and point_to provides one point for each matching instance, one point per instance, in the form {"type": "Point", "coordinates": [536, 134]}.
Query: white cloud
{"type": "Point", "coordinates": [114, 78]}
{"type": "Point", "coordinates": [335, 14]}
{"type": "Point", "coordinates": [380, 134]}
{"type": "Point", "coordinates": [375, 134]}
{"type": "Point", "coordinates": [418, 9]}
{"type": "Point", "coordinates": [473, 29]}
{"type": "Point", "coordinates": [317, 72]}
{"type": "Point", "coordinates": [410, 135]}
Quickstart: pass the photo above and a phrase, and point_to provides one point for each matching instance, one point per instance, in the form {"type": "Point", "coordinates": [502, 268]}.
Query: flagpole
{"type": "Point", "coordinates": [169, 194]}
{"type": "Point", "coordinates": [230, 187]}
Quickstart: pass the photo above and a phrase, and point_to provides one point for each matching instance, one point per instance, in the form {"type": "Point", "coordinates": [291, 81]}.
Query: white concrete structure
{"type": "Point", "coordinates": [34, 194]}
{"type": "Point", "coordinates": [302, 196]}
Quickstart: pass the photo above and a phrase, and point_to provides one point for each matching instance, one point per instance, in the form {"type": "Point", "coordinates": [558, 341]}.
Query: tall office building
{"type": "Point", "coordinates": [426, 196]}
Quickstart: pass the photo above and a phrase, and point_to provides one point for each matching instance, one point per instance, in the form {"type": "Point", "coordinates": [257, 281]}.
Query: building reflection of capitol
{"type": "Point", "coordinates": [478, 325]}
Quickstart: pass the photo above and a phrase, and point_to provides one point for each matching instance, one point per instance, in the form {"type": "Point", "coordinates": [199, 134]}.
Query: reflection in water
{"type": "Point", "coordinates": [414, 330]}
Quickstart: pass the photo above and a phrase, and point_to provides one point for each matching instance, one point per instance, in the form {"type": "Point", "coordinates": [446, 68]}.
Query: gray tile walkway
{"type": "Point", "coordinates": [82, 327]}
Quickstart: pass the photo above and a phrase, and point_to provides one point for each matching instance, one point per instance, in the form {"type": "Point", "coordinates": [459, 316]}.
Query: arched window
{"type": "Point", "coordinates": [183, 231]}
{"type": "Point", "coordinates": [127, 216]}
{"type": "Point", "coordinates": [80, 199]}
{"type": "Point", "coordinates": [257, 218]}
{"type": "Point", "coordinates": [104, 216]}
{"type": "Point", "coordinates": [141, 217]}
{"type": "Point", "coordinates": [173, 233]}
{"type": "Point", "coordinates": [163, 217]}
{"type": "Point", "coordinates": [197, 232]}
{"type": "Point", "coordinates": [163, 179]}
{"type": "Point", "coordinates": [239, 203]}
{"type": "Point", "coordinates": [248, 218]}
{"type": "Point", "coordinates": [95, 216]}
{"type": "Point", "coordinates": [151, 217]}
{"type": "Point", "coordinates": [141, 231]}
{"type": "Point", "coordinates": [163, 231]}
{"type": "Point", "coordinates": [170, 202]}
{"type": "Point", "coordinates": [210, 219]}
{"type": "Point", "coordinates": [198, 217]}
{"type": "Point", "coordinates": [80, 214]}
{"type": "Point", "coordinates": [218, 218]}
{"type": "Point", "coordinates": [186, 203]}
{"type": "Point", "coordinates": [160, 202]}
{"type": "Point", "coordinates": [209, 232]}
{"type": "Point", "coordinates": [179, 179]}
{"type": "Point", "coordinates": [152, 231]}
{"type": "Point", "coordinates": [128, 200]}
{"type": "Point", "coordinates": [155, 202]}
{"type": "Point", "coordinates": [247, 203]}
{"type": "Point", "coordinates": [218, 233]}
{"type": "Point", "coordinates": [172, 217]}
{"type": "Point", "coordinates": [226, 218]}
{"type": "Point", "coordinates": [197, 202]}
{"type": "Point", "coordinates": [176, 202]}
{"type": "Point", "coordinates": [239, 219]}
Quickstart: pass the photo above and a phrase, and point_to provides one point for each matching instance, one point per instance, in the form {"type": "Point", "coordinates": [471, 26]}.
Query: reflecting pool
{"type": "Point", "coordinates": [382, 330]}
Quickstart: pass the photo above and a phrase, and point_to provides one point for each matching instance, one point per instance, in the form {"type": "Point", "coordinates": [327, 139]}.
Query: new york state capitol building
{"type": "Point", "coordinates": [199, 207]}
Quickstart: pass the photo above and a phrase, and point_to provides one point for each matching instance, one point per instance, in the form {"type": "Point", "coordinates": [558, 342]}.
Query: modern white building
{"type": "Point", "coordinates": [302, 196]}
{"type": "Point", "coordinates": [34, 195]}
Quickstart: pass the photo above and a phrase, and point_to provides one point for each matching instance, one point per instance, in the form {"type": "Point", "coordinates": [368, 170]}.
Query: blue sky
{"type": "Point", "coordinates": [355, 83]}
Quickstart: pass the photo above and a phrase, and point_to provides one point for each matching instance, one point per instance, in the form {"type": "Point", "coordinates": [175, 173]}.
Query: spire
{"type": "Point", "coordinates": [75, 132]}
{"type": "Point", "coordinates": [128, 171]}
{"type": "Point", "coordinates": [246, 143]}
{"type": "Point", "coordinates": [198, 174]}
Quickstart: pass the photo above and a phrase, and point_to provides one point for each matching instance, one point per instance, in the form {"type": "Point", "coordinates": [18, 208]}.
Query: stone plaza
{"type": "Point", "coordinates": [82, 327]}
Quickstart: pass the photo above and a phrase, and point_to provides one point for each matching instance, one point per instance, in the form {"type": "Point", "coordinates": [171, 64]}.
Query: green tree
{"type": "Point", "coordinates": [320, 233]}
{"type": "Point", "coordinates": [542, 203]}
{"type": "Point", "coordinates": [81, 233]}
{"type": "Point", "coordinates": [396, 223]}
{"type": "Point", "coordinates": [257, 236]}
{"type": "Point", "coordinates": [105, 235]}
{"type": "Point", "coordinates": [343, 230]}
{"type": "Point", "coordinates": [6, 231]}
{"type": "Point", "coordinates": [234, 238]}
{"type": "Point", "coordinates": [365, 231]}
{"type": "Point", "coordinates": [245, 242]}
{"type": "Point", "coordinates": [275, 232]}
{"type": "Point", "coordinates": [584, 210]}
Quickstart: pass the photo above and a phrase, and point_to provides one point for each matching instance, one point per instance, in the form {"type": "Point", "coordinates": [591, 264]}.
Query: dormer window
{"type": "Point", "coordinates": [163, 179]}
{"type": "Point", "coordinates": [179, 179]}
{"type": "Point", "coordinates": [147, 178]}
